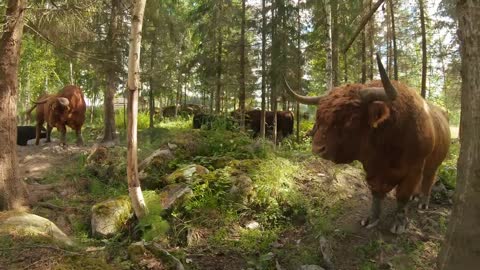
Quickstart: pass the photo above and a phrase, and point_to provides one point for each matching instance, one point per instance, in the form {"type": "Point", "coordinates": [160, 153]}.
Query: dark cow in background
{"type": "Point", "coordinates": [400, 139]}
{"type": "Point", "coordinates": [285, 121]}
{"type": "Point", "coordinates": [66, 108]}
{"type": "Point", "coordinates": [183, 110]}
{"type": "Point", "coordinates": [26, 133]}
{"type": "Point", "coordinates": [210, 120]}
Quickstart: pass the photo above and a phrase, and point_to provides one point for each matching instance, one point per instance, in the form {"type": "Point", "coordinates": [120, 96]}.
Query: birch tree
{"type": "Point", "coordinates": [133, 84]}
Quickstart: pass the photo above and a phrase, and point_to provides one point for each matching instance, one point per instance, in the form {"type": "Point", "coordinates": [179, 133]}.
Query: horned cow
{"type": "Point", "coordinates": [66, 108]}
{"type": "Point", "coordinates": [400, 139]}
{"type": "Point", "coordinates": [285, 121]}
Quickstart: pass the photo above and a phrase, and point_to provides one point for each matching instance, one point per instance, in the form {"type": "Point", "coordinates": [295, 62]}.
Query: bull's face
{"type": "Point", "coordinates": [346, 115]}
{"type": "Point", "coordinates": [338, 128]}
{"type": "Point", "coordinates": [60, 108]}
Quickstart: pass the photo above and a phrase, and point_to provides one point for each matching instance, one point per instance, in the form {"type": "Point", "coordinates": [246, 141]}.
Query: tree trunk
{"type": "Point", "coordinates": [394, 40]}
{"type": "Point", "coordinates": [424, 49]}
{"type": "Point", "coordinates": [110, 132]}
{"type": "Point", "coordinates": [329, 69]}
{"type": "Point", "coordinates": [299, 71]}
{"type": "Point", "coordinates": [151, 101]}
{"type": "Point", "coordinates": [371, 31]}
{"type": "Point", "coordinates": [12, 189]}
{"type": "Point", "coordinates": [241, 97]}
{"type": "Point", "coordinates": [133, 84]}
{"type": "Point", "coordinates": [461, 249]}
{"type": "Point", "coordinates": [345, 65]}
{"type": "Point", "coordinates": [388, 39]}
{"type": "Point", "coordinates": [264, 42]}
{"type": "Point", "coordinates": [364, 49]}
{"type": "Point", "coordinates": [335, 56]}
{"type": "Point", "coordinates": [72, 80]}
{"type": "Point", "coordinates": [218, 93]}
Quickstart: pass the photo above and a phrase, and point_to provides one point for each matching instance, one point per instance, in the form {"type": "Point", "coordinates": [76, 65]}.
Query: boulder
{"type": "Point", "coordinates": [159, 156]}
{"type": "Point", "coordinates": [174, 195]}
{"type": "Point", "coordinates": [242, 187]}
{"type": "Point", "coordinates": [186, 174]}
{"type": "Point", "coordinates": [30, 225]}
{"type": "Point", "coordinates": [111, 216]}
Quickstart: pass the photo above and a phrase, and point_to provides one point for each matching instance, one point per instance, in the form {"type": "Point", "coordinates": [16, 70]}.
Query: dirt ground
{"type": "Point", "coordinates": [348, 247]}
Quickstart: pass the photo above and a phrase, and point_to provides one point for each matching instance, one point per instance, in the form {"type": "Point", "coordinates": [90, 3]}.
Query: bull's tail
{"type": "Point", "coordinates": [29, 112]}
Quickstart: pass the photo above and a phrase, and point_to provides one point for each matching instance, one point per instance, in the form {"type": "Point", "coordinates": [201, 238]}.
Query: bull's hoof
{"type": "Point", "coordinates": [369, 222]}
{"type": "Point", "coordinates": [422, 206]}
{"type": "Point", "coordinates": [399, 226]}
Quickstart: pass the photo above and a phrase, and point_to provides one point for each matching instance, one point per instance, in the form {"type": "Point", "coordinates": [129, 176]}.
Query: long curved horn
{"type": "Point", "coordinates": [390, 90]}
{"type": "Point", "coordinates": [300, 98]}
{"type": "Point", "coordinates": [63, 101]}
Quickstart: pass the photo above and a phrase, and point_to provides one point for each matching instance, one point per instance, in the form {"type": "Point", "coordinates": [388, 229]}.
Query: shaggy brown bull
{"type": "Point", "coordinates": [400, 139]}
{"type": "Point", "coordinates": [66, 108]}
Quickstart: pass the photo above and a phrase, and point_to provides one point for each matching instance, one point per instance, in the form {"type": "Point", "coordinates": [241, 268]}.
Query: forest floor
{"type": "Point", "coordinates": [317, 224]}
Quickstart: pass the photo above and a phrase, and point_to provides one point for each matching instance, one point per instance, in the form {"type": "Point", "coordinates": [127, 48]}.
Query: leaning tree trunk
{"type": "Point", "coordinates": [12, 189]}
{"type": "Point", "coordinates": [133, 84]}
{"type": "Point", "coordinates": [110, 132]}
{"type": "Point", "coordinates": [424, 49]}
{"type": "Point", "coordinates": [461, 247]}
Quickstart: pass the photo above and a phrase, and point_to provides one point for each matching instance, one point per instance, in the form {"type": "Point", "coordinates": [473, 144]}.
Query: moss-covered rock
{"type": "Point", "coordinates": [174, 195]}
{"type": "Point", "coordinates": [111, 216]}
{"type": "Point", "coordinates": [22, 224]}
{"type": "Point", "coordinates": [186, 174]}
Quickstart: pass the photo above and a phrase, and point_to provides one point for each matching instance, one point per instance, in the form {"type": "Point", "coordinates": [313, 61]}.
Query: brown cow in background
{"type": "Point", "coordinates": [400, 139]}
{"type": "Point", "coordinates": [285, 121]}
{"type": "Point", "coordinates": [66, 108]}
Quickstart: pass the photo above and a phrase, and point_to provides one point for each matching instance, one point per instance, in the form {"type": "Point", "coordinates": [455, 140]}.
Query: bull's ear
{"type": "Point", "coordinates": [378, 112]}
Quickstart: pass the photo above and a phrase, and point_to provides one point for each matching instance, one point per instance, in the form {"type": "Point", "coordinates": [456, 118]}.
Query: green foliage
{"type": "Point", "coordinates": [152, 226]}
{"type": "Point", "coordinates": [448, 170]}
{"type": "Point", "coordinates": [143, 119]}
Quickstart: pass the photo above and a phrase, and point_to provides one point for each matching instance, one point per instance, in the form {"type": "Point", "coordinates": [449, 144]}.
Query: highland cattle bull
{"type": "Point", "coordinates": [66, 108]}
{"type": "Point", "coordinates": [400, 139]}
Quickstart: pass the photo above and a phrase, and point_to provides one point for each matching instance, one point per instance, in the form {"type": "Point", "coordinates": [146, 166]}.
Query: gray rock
{"type": "Point", "coordinates": [242, 188]}
{"type": "Point", "coordinates": [186, 174]}
{"type": "Point", "coordinates": [25, 224]}
{"type": "Point", "coordinates": [160, 155]}
{"type": "Point", "coordinates": [109, 217]}
{"type": "Point", "coordinates": [174, 195]}
{"type": "Point", "coordinates": [252, 225]}
{"type": "Point", "coordinates": [172, 146]}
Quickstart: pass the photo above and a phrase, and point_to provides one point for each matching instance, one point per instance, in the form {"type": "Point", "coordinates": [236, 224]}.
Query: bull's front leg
{"type": "Point", "coordinates": [374, 218]}
{"type": "Point", "coordinates": [38, 130]}
{"type": "Point", "coordinates": [405, 190]}
{"type": "Point", "coordinates": [63, 133]}
{"type": "Point", "coordinates": [78, 131]}
{"type": "Point", "coordinates": [49, 133]}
